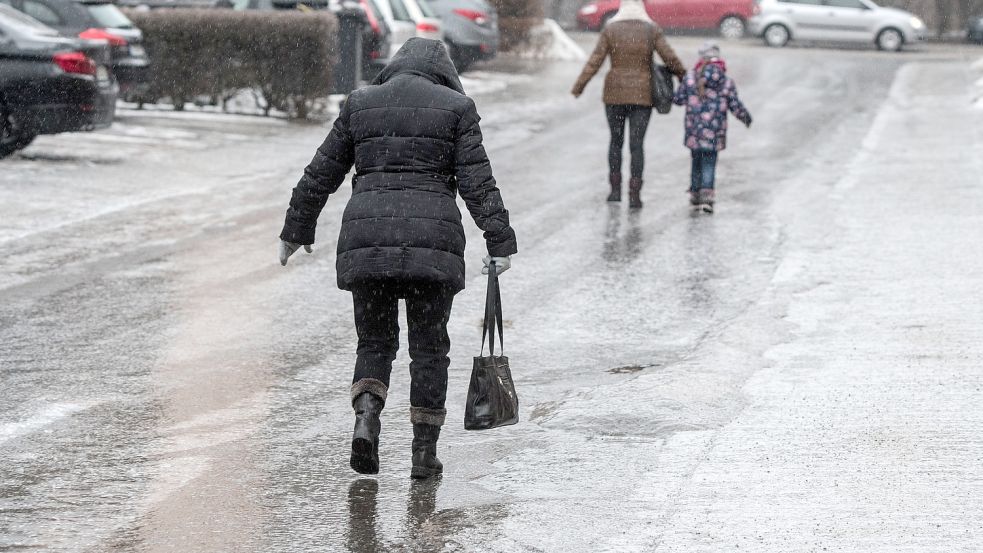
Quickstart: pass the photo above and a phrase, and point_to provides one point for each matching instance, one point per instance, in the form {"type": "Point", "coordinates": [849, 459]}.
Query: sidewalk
{"type": "Point", "coordinates": [864, 433]}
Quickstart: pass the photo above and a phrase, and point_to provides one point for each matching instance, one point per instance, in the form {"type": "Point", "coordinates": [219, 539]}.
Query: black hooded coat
{"type": "Point", "coordinates": [414, 140]}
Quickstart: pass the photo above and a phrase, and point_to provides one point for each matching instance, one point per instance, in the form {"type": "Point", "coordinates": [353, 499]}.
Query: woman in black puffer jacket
{"type": "Point", "coordinates": [414, 140]}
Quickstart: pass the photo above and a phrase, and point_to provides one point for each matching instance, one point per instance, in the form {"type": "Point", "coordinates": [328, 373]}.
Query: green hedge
{"type": "Point", "coordinates": [286, 56]}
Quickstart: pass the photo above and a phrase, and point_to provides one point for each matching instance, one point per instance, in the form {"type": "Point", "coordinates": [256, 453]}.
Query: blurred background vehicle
{"type": "Point", "coordinates": [376, 35]}
{"type": "Point", "coordinates": [97, 20]}
{"type": "Point", "coordinates": [409, 18]}
{"type": "Point", "coordinates": [48, 84]}
{"type": "Point", "coordinates": [728, 17]}
{"type": "Point", "coordinates": [470, 30]}
{"type": "Point", "coordinates": [780, 21]}
{"type": "Point", "coordinates": [975, 30]}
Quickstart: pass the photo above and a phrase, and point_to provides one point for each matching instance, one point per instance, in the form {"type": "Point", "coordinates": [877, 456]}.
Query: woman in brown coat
{"type": "Point", "coordinates": [629, 38]}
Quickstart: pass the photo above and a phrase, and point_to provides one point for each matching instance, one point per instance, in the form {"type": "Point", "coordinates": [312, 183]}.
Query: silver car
{"type": "Point", "coordinates": [780, 21]}
{"type": "Point", "coordinates": [470, 30]}
{"type": "Point", "coordinates": [410, 18]}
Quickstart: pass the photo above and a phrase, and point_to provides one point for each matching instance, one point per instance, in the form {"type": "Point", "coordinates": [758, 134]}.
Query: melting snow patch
{"type": "Point", "coordinates": [550, 42]}
{"type": "Point", "coordinates": [39, 420]}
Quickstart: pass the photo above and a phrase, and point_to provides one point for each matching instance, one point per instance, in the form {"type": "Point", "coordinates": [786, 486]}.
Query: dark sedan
{"type": "Point", "coordinates": [975, 31]}
{"type": "Point", "coordinates": [97, 20]}
{"type": "Point", "coordinates": [48, 84]}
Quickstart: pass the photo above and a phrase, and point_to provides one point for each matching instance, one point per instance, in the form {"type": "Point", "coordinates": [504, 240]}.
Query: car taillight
{"type": "Point", "coordinates": [103, 34]}
{"type": "Point", "coordinates": [75, 62]}
{"type": "Point", "coordinates": [476, 16]}
{"type": "Point", "coordinates": [427, 28]}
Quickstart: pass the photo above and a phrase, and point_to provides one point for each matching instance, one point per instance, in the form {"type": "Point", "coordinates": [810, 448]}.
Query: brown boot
{"type": "Point", "coordinates": [635, 192]}
{"type": "Point", "coordinates": [615, 179]}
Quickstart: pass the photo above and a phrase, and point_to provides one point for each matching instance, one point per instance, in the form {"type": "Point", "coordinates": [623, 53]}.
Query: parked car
{"type": "Point", "coordinates": [470, 30]}
{"type": "Point", "coordinates": [376, 41]}
{"type": "Point", "coordinates": [729, 17]}
{"type": "Point", "coordinates": [409, 18]}
{"type": "Point", "coordinates": [97, 20]}
{"type": "Point", "coordinates": [47, 84]}
{"type": "Point", "coordinates": [975, 30]}
{"type": "Point", "coordinates": [781, 21]}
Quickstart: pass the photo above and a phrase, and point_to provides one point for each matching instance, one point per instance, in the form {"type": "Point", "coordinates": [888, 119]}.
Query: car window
{"type": "Point", "coordinates": [845, 4]}
{"type": "Point", "coordinates": [400, 13]}
{"type": "Point", "coordinates": [42, 13]}
{"type": "Point", "coordinates": [426, 9]}
{"type": "Point", "coordinates": [108, 15]}
{"type": "Point", "coordinates": [22, 21]}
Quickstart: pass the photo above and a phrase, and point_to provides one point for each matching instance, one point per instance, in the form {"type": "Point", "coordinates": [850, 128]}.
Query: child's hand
{"type": "Point", "coordinates": [747, 121]}
{"type": "Point", "coordinates": [286, 249]}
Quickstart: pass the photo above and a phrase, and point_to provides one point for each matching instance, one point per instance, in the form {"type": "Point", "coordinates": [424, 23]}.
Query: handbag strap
{"type": "Point", "coordinates": [493, 313]}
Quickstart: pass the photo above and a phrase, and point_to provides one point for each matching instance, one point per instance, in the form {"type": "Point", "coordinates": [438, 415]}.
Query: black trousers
{"type": "Point", "coordinates": [428, 308]}
{"type": "Point", "coordinates": [638, 122]}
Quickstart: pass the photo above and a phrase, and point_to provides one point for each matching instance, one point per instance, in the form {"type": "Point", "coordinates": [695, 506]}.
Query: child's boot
{"type": "Point", "coordinates": [707, 200]}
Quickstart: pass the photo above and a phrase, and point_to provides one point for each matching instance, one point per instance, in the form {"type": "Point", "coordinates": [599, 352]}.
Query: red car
{"type": "Point", "coordinates": [728, 16]}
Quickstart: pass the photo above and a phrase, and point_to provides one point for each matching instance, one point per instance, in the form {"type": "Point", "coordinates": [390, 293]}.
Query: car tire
{"type": "Point", "coordinates": [776, 35]}
{"type": "Point", "coordinates": [732, 27]}
{"type": "Point", "coordinates": [12, 138]}
{"type": "Point", "coordinates": [461, 59]}
{"type": "Point", "coordinates": [607, 17]}
{"type": "Point", "coordinates": [890, 40]}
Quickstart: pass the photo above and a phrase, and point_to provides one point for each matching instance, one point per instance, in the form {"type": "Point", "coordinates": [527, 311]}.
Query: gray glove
{"type": "Point", "coordinates": [502, 264]}
{"type": "Point", "coordinates": [287, 249]}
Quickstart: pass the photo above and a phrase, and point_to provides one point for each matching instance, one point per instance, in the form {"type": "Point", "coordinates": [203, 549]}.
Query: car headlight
{"type": "Point", "coordinates": [589, 9]}
{"type": "Point", "coordinates": [916, 23]}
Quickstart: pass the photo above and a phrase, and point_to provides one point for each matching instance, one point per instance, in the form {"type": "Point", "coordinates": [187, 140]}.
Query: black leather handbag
{"type": "Point", "coordinates": [492, 401]}
{"type": "Point", "coordinates": [662, 88]}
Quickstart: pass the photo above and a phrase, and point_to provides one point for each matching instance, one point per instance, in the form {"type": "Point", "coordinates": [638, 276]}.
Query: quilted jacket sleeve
{"type": "Point", "coordinates": [322, 177]}
{"type": "Point", "coordinates": [736, 105]}
{"type": "Point", "coordinates": [683, 91]}
{"type": "Point", "coordinates": [593, 65]}
{"type": "Point", "coordinates": [478, 189]}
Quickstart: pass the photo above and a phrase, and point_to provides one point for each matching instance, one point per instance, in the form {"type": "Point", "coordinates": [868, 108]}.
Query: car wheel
{"type": "Point", "coordinates": [777, 35]}
{"type": "Point", "coordinates": [12, 138]}
{"type": "Point", "coordinates": [462, 61]}
{"type": "Point", "coordinates": [732, 28]}
{"type": "Point", "coordinates": [890, 40]}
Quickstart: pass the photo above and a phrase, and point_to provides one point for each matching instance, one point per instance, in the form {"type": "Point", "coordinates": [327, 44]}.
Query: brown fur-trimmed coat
{"type": "Point", "coordinates": [630, 45]}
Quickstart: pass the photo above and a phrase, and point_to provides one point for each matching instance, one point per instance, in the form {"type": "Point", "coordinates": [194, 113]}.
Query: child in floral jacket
{"type": "Point", "coordinates": [708, 94]}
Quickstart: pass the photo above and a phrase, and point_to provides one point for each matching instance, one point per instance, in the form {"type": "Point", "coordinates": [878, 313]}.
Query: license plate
{"type": "Point", "coordinates": [102, 74]}
{"type": "Point", "coordinates": [137, 50]}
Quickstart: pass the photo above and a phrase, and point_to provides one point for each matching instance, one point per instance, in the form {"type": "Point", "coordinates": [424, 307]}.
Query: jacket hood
{"type": "Point", "coordinates": [714, 76]}
{"type": "Point", "coordinates": [426, 58]}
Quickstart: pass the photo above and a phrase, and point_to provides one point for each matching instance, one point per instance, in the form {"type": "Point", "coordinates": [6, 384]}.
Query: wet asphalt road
{"type": "Point", "coordinates": [799, 372]}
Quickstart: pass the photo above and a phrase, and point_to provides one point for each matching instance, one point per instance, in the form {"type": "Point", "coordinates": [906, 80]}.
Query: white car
{"type": "Point", "coordinates": [409, 18]}
{"type": "Point", "coordinates": [779, 21]}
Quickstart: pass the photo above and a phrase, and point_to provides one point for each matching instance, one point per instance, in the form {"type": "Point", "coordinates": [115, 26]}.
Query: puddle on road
{"type": "Point", "coordinates": [630, 369]}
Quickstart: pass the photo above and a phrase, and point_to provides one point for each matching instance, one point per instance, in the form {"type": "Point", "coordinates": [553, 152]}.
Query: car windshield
{"type": "Point", "coordinates": [19, 23]}
{"type": "Point", "coordinates": [425, 8]}
{"type": "Point", "coordinates": [109, 15]}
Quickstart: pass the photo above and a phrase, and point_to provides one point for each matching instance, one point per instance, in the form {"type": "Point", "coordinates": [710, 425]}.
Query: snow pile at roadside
{"type": "Point", "coordinates": [978, 66]}
{"type": "Point", "coordinates": [550, 42]}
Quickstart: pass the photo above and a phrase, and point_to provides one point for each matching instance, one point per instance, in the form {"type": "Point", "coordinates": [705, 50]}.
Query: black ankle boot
{"type": "Point", "coordinates": [425, 463]}
{"type": "Point", "coordinates": [635, 192]}
{"type": "Point", "coordinates": [615, 180]}
{"type": "Point", "coordinates": [365, 439]}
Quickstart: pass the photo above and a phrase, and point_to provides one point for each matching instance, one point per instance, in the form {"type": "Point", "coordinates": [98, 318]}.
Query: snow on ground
{"type": "Point", "coordinates": [551, 42]}
{"type": "Point", "coordinates": [978, 66]}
